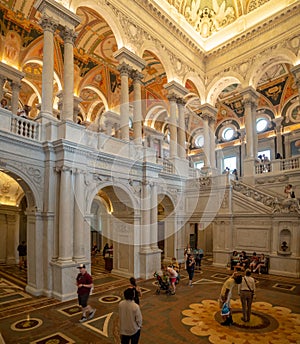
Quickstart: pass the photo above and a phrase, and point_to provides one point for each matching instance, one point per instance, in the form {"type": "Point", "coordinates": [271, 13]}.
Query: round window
{"type": "Point", "coordinates": [228, 134]}
{"type": "Point", "coordinates": [199, 141]}
{"type": "Point", "coordinates": [261, 125]}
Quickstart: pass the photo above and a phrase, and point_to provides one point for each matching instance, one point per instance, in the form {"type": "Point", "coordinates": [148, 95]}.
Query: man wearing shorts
{"type": "Point", "coordinates": [84, 283]}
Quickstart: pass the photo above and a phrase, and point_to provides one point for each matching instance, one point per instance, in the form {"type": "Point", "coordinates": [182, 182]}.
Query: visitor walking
{"type": "Point", "coordinates": [84, 283]}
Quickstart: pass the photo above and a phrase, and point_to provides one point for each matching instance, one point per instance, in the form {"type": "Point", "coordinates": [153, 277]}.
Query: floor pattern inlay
{"type": "Point", "coordinates": [274, 323]}
{"type": "Point", "coordinates": [26, 324]}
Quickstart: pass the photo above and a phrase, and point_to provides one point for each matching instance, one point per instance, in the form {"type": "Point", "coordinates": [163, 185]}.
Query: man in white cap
{"type": "Point", "coordinates": [84, 283]}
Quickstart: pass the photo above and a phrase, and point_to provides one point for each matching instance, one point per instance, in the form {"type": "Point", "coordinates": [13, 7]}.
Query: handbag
{"type": "Point", "coordinates": [225, 309]}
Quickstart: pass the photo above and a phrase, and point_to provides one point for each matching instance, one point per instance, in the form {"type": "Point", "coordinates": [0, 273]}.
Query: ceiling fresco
{"type": "Point", "coordinates": [207, 16]}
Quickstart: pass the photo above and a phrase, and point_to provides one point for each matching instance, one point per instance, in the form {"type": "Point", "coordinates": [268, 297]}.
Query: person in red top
{"type": "Point", "coordinates": [84, 283]}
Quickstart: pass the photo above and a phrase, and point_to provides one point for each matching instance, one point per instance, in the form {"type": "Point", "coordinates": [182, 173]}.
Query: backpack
{"type": "Point", "coordinates": [293, 194]}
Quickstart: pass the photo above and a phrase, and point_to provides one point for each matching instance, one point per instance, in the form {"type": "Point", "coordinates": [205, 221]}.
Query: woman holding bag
{"type": "Point", "coordinates": [225, 297]}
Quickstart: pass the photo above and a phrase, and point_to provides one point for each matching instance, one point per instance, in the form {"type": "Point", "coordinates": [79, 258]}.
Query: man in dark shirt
{"type": "Point", "coordinates": [84, 283]}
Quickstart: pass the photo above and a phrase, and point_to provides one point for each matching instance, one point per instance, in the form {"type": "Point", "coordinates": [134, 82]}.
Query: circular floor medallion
{"type": "Point", "coordinates": [274, 324]}
{"type": "Point", "coordinates": [258, 321]}
{"type": "Point", "coordinates": [26, 324]}
{"type": "Point", "coordinates": [109, 299]}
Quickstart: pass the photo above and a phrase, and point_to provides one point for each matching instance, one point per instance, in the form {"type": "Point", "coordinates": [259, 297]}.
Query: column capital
{"type": "Point", "coordinates": [48, 24]}
{"type": "Point", "coordinates": [278, 121]}
{"type": "Point", "coordinates": [124, 69]}
{"type": "Point", "coordinates": [68, 35]}
{"type": "Point", "coordinates": [208, 112]}
{"type": "Point", "coordinates": [250, 96]}
{"type": "Point", "coordinates": [58, 12]}
{"type": "Point", "coordinates": [172, 97]}
{"type": "Point", "coordinates": [180, 101]}
{"type": "Point", "coordinates": [177, 89]}
{"type": "Point", "coordinates": [124, 55]}
{"type": "Point", "coordinates": [15, 85]}
{"type": "Point", "coordinates": [136, 76]}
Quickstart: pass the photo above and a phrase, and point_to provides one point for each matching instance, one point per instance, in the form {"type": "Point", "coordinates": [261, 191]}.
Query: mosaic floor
{"type": "Point", "coordinates": [190, 316]}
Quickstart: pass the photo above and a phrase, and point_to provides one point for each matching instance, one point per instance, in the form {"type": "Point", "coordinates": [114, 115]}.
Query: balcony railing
{"type": "Point", "coordinates": [25, 127]}
{"type": "Point", "coordinates": [278, 165]}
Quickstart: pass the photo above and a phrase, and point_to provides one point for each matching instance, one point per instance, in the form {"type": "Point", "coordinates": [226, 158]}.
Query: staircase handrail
{"type": "Point", "coordinates": [252, 192]}
{"type": "Point", "coordinates": [277, 204]}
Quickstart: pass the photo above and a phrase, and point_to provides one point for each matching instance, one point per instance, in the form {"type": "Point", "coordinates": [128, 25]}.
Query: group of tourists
{"type": "Point", "coordinates": [241, 262]}
{"type": "Point", "coordinates": [130, 316]}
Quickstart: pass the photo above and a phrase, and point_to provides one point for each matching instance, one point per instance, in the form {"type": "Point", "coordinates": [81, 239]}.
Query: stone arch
{"type": "Point", "coordinates": [154, 113]}
{"type": "Point", "coordinates": [264, 62]}
{"type": "Point", "coordinates": [21, 174]}
{"type": "Point", "coordinates": [198, 83]}
{"type": "Point", "coordinates": [161, 55]}
{"type": "Point", "coordinates": [113, 184]}
{"type": "Point", "coordinates": [219, 84]}
{"type": "Point", "coordinates": [101, 96]}
{"type": "Point", "coordinates": [108, 15]}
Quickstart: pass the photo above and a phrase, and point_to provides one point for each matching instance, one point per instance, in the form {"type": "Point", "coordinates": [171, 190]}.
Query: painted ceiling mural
{"type": "Point", "coordinates": [96, 75]}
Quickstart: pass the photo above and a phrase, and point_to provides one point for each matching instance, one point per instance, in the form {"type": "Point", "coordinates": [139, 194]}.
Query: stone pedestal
{"type": "Point", "coordinates": [149, 263]}
{"type": "Point", "coordinates": [64, 280]}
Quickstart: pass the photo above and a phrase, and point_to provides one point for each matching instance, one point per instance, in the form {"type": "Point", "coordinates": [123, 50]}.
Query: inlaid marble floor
{"type": "Point", "coordinates": [190, 316]}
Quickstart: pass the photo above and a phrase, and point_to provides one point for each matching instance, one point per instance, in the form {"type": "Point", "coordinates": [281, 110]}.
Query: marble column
{"type": "Point", "coordinates": [65, 223]}
{"type": "Point", "coordinates": [243, 149]}
{"type": "Point", "coordinates": [125, 70]}
{"type": "Point", "coordinates": [212, 142]}
{"type": "Point", "coordinates": [181, 128]}
{"type": "Point", "coordinates": [13, 223]}
{"type": "Point", "coordinates": [206, 146]}
{"type": "Point", "coordinates": [154, 233]}
{"type": "Point", "coordinates": [173, 125]}
{"type": "Point", "coordinates": [278, 126]}
{"type": "Point", "coordinates": [15, 97]}
{"type": "Point", "coordinates": [146, 216]}
{"type": "Point", "coordinates": [128, 62]}
{"type": "Point", "coordinates": [137, 107]}
{"type": "Point", "coordinates": [68, 35]}
{"type": "Point", "coordinates": [79, 203]}
{"type": "Point", "coordinates": [208, 114]}
{"type": "Point", "coordinates": [250, 97]}
{"type": "Point", "coordinates": [49, 26]}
